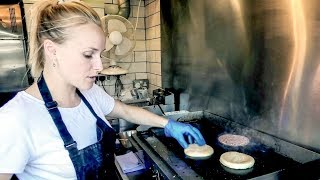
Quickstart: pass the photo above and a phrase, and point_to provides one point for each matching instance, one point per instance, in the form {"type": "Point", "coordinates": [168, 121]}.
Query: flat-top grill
{"type": "Point", "coordinates": [266, 160]}
{"type": "Point", "coordinates": [169, 158]}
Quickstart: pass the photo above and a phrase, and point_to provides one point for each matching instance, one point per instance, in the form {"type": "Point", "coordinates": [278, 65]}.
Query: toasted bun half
{"type": "Point", "coordinates": [196, 151]}
{"type": "Point", "coordinates": [236, 160]}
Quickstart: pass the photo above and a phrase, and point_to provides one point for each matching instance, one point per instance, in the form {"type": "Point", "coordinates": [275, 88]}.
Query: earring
{"type": "Point", "coordinates": [54, 59]}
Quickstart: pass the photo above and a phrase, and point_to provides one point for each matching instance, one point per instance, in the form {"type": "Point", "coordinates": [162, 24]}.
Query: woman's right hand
{"type": "Point", "coordinates": [179, 130]}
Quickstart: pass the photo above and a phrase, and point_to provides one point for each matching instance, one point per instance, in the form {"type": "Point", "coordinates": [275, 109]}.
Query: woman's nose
{"type": "Point", "coordinates": [98, 65]}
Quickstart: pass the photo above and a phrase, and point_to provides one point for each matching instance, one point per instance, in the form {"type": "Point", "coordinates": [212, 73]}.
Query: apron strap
{"type": "Point", "coordinates": [52, 107]}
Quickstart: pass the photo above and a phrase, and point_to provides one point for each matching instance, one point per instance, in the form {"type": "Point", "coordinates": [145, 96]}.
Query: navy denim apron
{"type": "Point", "coordinates": [95, 161]}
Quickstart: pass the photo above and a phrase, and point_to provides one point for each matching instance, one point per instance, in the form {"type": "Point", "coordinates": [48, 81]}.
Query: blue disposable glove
{"type": "Point", "coordinates": [180, 130]}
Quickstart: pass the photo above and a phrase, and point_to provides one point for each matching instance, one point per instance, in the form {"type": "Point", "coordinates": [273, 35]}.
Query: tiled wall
{"type": "Point", "coordinates": [145, 62]}
{"type": "Point", "coordinates": [136, 63]}
{"type": "Point", "coordinates": [153, 43]}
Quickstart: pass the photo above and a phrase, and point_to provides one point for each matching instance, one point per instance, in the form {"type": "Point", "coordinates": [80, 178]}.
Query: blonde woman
{"type": "Point", "coordinates": [56, 128]}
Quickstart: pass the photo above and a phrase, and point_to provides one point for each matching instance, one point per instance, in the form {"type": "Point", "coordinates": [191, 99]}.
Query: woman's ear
{"type": "Point", "coordinates": [49, 49]}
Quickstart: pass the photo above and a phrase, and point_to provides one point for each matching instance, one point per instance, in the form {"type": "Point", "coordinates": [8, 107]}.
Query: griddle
{"type": "Point", "coordinates": [267, 161]}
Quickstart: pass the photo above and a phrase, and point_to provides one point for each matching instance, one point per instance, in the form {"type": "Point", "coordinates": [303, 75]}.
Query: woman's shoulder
{"type": "Point", "coordinates": [21, 99]}
{"type": "Point", "coordinates": [19, 107]}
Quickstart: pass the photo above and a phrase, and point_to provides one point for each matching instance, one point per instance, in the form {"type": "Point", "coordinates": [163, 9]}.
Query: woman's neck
{"type": "Point", "coordinates": [64, 94]}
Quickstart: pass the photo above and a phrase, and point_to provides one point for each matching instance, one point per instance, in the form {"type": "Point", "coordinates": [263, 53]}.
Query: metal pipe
{"type": "Point", "coordinates": [124, 8]}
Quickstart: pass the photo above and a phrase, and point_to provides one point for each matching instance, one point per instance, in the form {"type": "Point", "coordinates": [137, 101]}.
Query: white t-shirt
{"type": "Point", "coordinates": [30, 144]}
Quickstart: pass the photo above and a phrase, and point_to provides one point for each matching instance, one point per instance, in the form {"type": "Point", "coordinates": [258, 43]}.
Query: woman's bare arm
{"type": "Point", "coordinates": [137, 115]}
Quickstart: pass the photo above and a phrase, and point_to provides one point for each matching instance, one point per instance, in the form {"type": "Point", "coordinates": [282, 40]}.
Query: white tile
{"type": "Point", "coordinates": [151, 33]}
{"type": "Point", "coordinates": [157, 56]}
{"type": "Point", "coordinates": [158, 81]}
{"type": "Point", "coordinates": [148, 21]}
{"type": "Point", "coordinates": [157, 5]}
{"type": "Point", "coordinates": [155, 68]}
{"type": "Point", "coordinates": [155, 19]}
{"type": "Point", "coordinates": [94, 3]}
{"type": "Point", "coordinates": [140, 34]}
{"type": "Point", "coordinates": [127, 87]}
{"type": "Point", "coordinates": [154, 60]}
{"type": "Point", "coordinates": [148, 44]}
{"type": "Point", "coordinates": [137, 67]}
{"type": "Point", "coordinates": [134, 11]}
{"type": "Point", "coordinates": [108, 1]}
{"type": "Point", "coordinates": [148, 33]}
{"type": "Point", "coordinates": [141, 76]}
{"type": "Point", "coordinates": [157, 31]}
{"type": "Point", "coordinates": [111, 9]}
{"type": "Point", "coordinates": [115, 1]}
{"type": "Point", "coordinates": [140, 46]}
{"type": "Point", "coordinates": [136, 2]}
{"type": "Point", "coordinates": [100, 11]}
{"type": "Point", "coordinates": [146, 11]}
{"type": "Point", "coordinates": [150, 9]}
{"type": "Point", "coordinates": [148, 67]}
{"type": "Point", "coordinates": [140, 56]}
{"type": "Point", "coordinates": [140, 24]}
{"type": "Point", "coordinates": [154, 44]}
{"type": "Point", "coordinates": [153, 79]}
{"type": "Point", "coordinates": [150, 56]}
{"type": "Point", "coordinates": [148, 1]}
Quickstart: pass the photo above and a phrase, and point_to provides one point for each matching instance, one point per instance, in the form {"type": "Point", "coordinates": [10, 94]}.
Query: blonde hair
{"type": "Point", "coordinates": [49, 20]}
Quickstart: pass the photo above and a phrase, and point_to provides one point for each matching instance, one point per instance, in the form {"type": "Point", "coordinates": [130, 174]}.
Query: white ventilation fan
{"type": "Point", "coordinates": [120, 42]}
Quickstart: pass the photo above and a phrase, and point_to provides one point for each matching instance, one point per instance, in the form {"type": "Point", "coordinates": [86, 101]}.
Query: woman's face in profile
{"type": "Point", "coordinates": [78, 58]}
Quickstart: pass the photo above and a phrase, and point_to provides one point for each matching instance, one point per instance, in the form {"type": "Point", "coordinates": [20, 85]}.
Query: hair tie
{"type": "Point", "coordinates": [61, 1]}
